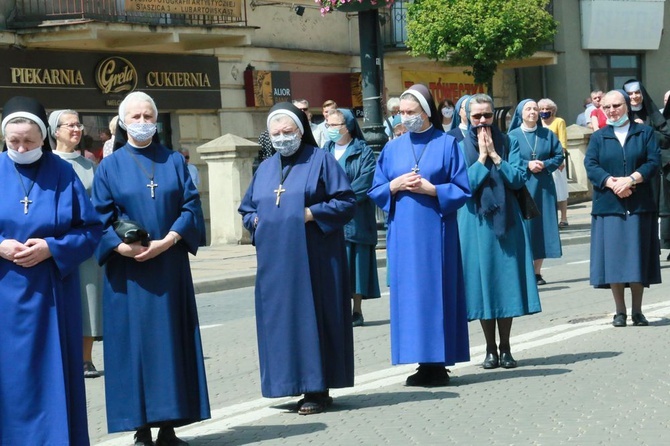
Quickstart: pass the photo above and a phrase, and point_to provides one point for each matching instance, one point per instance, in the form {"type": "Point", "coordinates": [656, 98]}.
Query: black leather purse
{"type": "Point", "coordinates": [527, 205]}
{"type": "Point", "coordinates": [130, 232]}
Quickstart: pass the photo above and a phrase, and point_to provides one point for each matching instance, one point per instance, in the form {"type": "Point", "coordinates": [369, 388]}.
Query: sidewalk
{"type": "Point", "coordinates": [227, 267]}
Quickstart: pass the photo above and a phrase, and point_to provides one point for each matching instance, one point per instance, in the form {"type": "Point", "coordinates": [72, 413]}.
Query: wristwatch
{"type": "Point", "coordinates": [632, 178]}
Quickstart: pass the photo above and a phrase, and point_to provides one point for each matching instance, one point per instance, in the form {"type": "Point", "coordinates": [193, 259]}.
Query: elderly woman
{"type": "Point", "coordinates": [295, 209]}
{"type": "Point", "coordinates": [543, 153]}
{"type": "Point", "coordinates": [552, 122]}
{"type": "Point", "coordinates": [356, 158]}
{"type": "Point", "coordinates": [420, 181]}
{"type": "Point", "coordinates": [620, 161]}
{"type": "Point", "coordinates": [47, 228]}
{"type": "Point", "coordinates": [497, 257]}
{"type": "Point", "coordinates": [155, 375]}
{"type": "Point", "coordinates": [65, 132]}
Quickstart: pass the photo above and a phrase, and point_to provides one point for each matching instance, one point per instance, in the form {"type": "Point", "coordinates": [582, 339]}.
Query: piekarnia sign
{"type": "Point", "coordinates": [228, 8]}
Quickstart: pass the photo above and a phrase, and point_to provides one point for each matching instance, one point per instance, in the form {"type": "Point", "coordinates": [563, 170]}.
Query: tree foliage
{"type": "Point", "coordinates": [479, 33]}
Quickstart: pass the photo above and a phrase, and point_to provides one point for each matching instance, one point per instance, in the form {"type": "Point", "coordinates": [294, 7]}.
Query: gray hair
{"type": "Point", "coordinates": [481, 98]}
{"type": "Point", "coordinates": [135, 96]}
{"type": "Point", "coordinates": [546, 102]}
{"type": "Point", "coordinates": [392, 103]}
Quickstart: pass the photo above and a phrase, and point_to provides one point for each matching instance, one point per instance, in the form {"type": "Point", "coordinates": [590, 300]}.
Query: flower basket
{"type": "Point", "coordinates": [352, 5]}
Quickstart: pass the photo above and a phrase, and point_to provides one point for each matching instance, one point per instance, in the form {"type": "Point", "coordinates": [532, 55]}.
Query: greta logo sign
{"type": "Point", "coordinates": [116, 75]}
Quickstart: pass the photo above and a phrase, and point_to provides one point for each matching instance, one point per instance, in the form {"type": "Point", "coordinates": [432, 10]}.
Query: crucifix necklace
{"type": "Point", "coordinates": [416, 169]}
{"type": "Point", "coordinates": [26, 192]}
{"type": "Point", "coordinates": [283, 175]}
{"type": "Point", "coordinates": [151, 184]}
{"type": "Point", "coordinates": [533, 149]}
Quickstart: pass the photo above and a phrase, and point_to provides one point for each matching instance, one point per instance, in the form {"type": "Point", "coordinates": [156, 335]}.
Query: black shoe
{"type": "Point", "coordinates": [143, 437]}
{"type": "Point", "coordinates": [314, 403]}
{"type": "Point", "coordinates": [639, 320]}
{"type": "Point", "coordinates": [540, 280]}
{"type": "Point", "coordinates": [357, 320]}
{"type": "Point", "coordinates": [167, 437]}
{"type": "Point", "coordinates": [90, 371]}
{"type": "Point", "coordinates": [429, 376]}
{"type": "Point", "coordinates": [507, 361]}
{"type": "Point", "coordinates": [619, 320]}
{"type": "Point", "coordinates": [491, 361]}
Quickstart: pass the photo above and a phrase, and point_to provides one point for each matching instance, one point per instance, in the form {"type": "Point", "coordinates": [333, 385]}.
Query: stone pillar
{"type": "Point", "coordinates": [229, 161]}
{"type": "Point", "coordinates": [578, 183]}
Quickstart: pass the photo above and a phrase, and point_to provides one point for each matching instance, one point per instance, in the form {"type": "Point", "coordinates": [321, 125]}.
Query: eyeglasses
{"type": "Point", "coordinates": [612, 106]}
{"type": "Point", "coordinates": [334, 125]}
{"type": "Point", "coordinates": [479, 116]}
{"type": "Point", "coordinates": [73, 126]}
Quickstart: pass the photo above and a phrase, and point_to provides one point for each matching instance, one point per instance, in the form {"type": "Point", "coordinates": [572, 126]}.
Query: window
{"type": "Point", "coordinates": [610, 71]}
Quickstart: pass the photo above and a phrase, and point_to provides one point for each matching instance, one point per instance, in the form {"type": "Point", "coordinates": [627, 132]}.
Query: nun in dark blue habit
{"type": "Point", "coordinates": [47, 228]}
{"type": "Point", "coordinates": [622, 161]}
{"type": "Point", "coordinates": [295, 209]}
{"type": "Point", "coordinates": [459, 124]}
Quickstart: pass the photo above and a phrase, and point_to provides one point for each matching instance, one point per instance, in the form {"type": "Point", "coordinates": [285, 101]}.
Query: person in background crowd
{"type": "Point", "coordinates": [357, 159]}
{"type": "Point", "coordinates": [321, 132]}
{"type": "Point", "coordinates": [108, 147]}
{"type": "Point", "coordinates": [544, 154]}
{"type": "Point", "coordinates": [295, 209]}
{"type": "Point", "coordinates": [398, 128]}
{"type": "Point", "coordinates": [47, 228]}
{"type": "Point", "coordinates": [644, 111]}
{"type": "Point", "coordinates": [446, 110]}
{"type": "Point", "coordinates": [303, 106]}
{"type": "Point", "coordinates": [155, 373]}
{"type": "Point", "coordinates": [620, 160]}
{"type": "Point", "coordinates": [597, 116]}
{"type": "Point", "coordinates": [64, 136]}
{"type": "Point", "coordinates": [392, 108]}
{"type": "Point", "coordinates": [548, 110]}
{"type": "Point", "coordinates": [666, 96]}
{"type": "Point", "coordinates": [499, 280]}
{"type": "Point", "coordinates": [459, 124]}
{"type": "Point", "coordinates": [420, 181]}
{"type": "Point", "coordinates": [192, 169]}
{"type": "Point", "coordinates": [582, 120]}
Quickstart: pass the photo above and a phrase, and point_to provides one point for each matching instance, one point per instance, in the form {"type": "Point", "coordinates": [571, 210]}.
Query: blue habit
{"type": "Point", "coordinates": [42, 396]}
{"type": "Point", "coordinates": [303, 300]}
{"type": "Point", "coordinates": [428, 317]}
{"type": "Point", "coordinates": [154, 369]}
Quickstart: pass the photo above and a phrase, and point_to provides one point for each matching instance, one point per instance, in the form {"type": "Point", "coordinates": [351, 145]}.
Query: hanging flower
{"type": "Point", "coordinates": [327, 6]}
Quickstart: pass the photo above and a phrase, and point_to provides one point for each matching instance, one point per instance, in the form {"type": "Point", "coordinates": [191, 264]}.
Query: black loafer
{"type": "Point", "coordinates": [143, 437]}
{"type": "Point", "coordinates": [491, 361]}
{"type": "Point", "coordinates": [507, 361]}
{"type": "Point", "coordinates": [357, 319]}
{"type": "Point", "coordinates": [167, 437]}
{"type": "Point", "coordinates": [619, 320]}
{"type": "Point", "coordinates": [639, 320]}
{"type": "Point", "coordinates": [540, 280]}
{"type": "Point", "coordinates": [429, 376]}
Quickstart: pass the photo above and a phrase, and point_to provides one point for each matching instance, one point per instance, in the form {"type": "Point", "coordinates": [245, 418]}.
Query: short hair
{"type": "Point", "coordinates": [546, 102]}
{"type": "Point", "coordinates": [305, 102]}
{"type": "Point", "coordinates": [481, 98]}
{"type": "Point", "coordinates": [135, 96]}
{"type": "Point", "coordinates": [329, 104]}
{"type": "Point", "coordinates": [392, 103]}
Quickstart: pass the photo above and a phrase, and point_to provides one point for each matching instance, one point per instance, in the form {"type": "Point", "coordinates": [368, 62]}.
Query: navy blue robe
{"type": "Point", "coordinates": [428, 316]}
{"type": "Point", "coordinates": [42, 395]}
{"type": "Point", "coordinates": [154, 369]}
{"type": "Point", "coordinates": [303, 300]}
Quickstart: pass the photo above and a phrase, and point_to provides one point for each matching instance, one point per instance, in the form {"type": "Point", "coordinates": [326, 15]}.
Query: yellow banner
{"type": "Point", "coordinates": [228, 8]}
{"type": "Point", "coordinates": [443, 85]}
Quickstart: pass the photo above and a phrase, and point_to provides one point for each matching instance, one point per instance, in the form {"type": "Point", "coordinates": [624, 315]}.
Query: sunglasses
{"type": "Point", "coordinates": [479, 116]}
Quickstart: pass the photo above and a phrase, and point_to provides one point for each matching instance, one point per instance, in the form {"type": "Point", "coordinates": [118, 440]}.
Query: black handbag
{"type": "Point", "coordinates": [527, 205]}
{"type": "Point", "coordinates": [130, 232]}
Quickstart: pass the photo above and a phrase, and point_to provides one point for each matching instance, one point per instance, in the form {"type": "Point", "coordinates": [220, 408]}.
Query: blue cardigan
{"type": "Point", "coordinates": [605, 158]}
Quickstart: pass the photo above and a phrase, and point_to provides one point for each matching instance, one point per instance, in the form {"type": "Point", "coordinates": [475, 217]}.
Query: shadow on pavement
{"type": "Point", "coordinates": [376, 323]}
{"type": "Point", "coordinates": [240, 435]}
{"type": "Point", "coordinates": [499, 374]}
{"type": "Point", "coordinates": [568, 358]}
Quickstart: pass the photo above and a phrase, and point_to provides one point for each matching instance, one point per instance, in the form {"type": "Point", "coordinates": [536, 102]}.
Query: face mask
{"type": "Point", "coordinates": [413, 123]}
{"type": "Point", "coordinates": [141, 131]}
{"type": "Point", "coordinates": [334, 135]}
{"type": "Point", "coordinates": [619, 122]}
{"type": "Point", "coordinates": [447, 112]}
{"type": "Point", "coordinates": [545, 115]}
{"type": "Point", "coordinates": [28, 157]}
{"type": "Point", "coordinates": [287, 144]}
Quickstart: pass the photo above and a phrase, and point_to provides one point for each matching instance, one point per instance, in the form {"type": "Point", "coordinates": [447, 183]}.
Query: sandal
{"type": "Point", "coordinates": [563, 224]}
{"type": "Point", "coordinates": [311, 407]}
{"type": "Point", "coordinates": [314, 403]}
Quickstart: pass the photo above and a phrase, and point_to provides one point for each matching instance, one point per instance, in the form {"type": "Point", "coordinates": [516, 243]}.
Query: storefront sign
{"type": "Point", "coordinates": [94, 81]}
{"type": "Point", "coordinates": [443, 85]}
{"type": "Point", "coordinates": [266, 88]}
{"type": "Point", "coordinates": [228, 8]}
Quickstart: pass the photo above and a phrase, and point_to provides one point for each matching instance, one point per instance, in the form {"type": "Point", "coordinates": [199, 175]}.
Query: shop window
{"type": "Point", "coordinates": [610, 71]}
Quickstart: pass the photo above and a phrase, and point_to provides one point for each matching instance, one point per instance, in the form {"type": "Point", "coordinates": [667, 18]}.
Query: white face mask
{"type": "Point", "coordinates": [413, 123]}
{"type": "Point", "coordinates": [141, 131]}
{"type": "Point", "coordinates": [447, 112]}
{"type": "Point", "coordinates": [286, 144]}
{"type": "Point", "coordinates": [28, 157]}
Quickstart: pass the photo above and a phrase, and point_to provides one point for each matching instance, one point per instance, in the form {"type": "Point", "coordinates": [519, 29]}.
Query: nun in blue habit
{"type": "Point", "coordinates": [420, 181]}
{"type": "Point", "coordinates": [295, 209]}
{"type": "Point", "coordinates": [497, 259]}
{"type": "Point", "coordinates": [543, 154]}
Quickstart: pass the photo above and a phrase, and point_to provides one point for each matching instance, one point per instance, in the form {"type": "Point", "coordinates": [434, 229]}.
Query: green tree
{"type": "Point", "coordinates": [478, 33]}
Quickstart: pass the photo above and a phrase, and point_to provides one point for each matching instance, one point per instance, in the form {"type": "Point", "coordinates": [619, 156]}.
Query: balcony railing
{"type": "Point", "coordinates": [393, 25]}
{"type": "Point", "coordinates": [29, 13]}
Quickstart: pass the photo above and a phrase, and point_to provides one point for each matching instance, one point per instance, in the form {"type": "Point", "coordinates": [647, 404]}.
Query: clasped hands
{"type": "Point", "coordinates": [143, 253]}
{"type": "Point", "coordinates": [621, 186]}
{"type": "Point", "coordinates": [28, 254]}
{"type": "Point", "coordinates": [412, 182]}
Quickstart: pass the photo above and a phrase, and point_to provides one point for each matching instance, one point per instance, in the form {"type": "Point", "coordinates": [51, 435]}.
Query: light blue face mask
{"type": "Point", "coordinates": [334, 134]}
{"type": "Point", "coordinates": [619, 122]}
